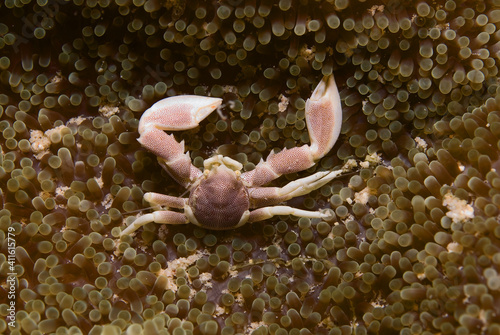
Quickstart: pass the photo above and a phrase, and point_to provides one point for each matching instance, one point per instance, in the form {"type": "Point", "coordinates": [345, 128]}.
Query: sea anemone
{"type": "Point", "coordinates": [413, 247]}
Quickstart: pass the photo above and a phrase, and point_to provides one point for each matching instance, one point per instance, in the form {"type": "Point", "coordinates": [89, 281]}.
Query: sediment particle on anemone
{"type": "Point", "coordinates": [458, 209]}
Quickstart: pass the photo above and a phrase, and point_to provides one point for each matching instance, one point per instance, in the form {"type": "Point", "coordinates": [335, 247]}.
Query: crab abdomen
{"type": "Point", "coordinates": [219, 203]}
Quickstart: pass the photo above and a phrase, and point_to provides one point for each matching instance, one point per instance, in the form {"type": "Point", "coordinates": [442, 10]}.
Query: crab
{"type": "Point", "coordinates": [222, 197]}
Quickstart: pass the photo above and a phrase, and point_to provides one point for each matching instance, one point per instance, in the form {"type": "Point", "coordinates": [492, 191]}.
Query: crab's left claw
{"type": "Point", "coordinates": [323, 117]}
{"type": "Point", "coordinates": [175, 113]}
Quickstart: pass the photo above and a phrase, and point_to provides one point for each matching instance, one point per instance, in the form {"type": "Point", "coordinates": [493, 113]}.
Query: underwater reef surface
{"type": "Point", "coordinates": [414, 247]}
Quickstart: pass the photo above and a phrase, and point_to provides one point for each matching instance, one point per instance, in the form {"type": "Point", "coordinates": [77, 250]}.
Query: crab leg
{"type": "Point", "coordinates": [324, 119]}
{"type": "Point", "coordinates": [161, 216]}
{"type": "Point", "coordinates": [165, 200]}
{"type": "Point", "coordinates": [174, 113]}
{"type": "Point", "coordinates": [268, 212]}
{"type": "Point", "coordinates": [167, 217]}
{"type": "Point", "coordinates": [265, 196]}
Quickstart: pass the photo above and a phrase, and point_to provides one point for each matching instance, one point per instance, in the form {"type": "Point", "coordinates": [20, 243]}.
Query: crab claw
{"type": "Point", "coordinates": [178, 113]}
{"type": "Point", "coordinates": [174, 113]}
{"type": "Point", "coordinates": [324, 120]}
{"type": "Point", "coordinates": [323, 117]}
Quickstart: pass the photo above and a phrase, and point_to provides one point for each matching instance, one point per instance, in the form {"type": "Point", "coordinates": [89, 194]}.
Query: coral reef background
{"type": "Point", "coordinates": [414, 247]}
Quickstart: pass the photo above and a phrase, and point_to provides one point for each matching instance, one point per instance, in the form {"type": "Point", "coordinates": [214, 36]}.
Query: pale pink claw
{"type": "Point", "coordinates": [178, 113]}
{"type": "Point", "coordinates": [324, 119]}
{"type": "Point", "coordinates": [174, 113]}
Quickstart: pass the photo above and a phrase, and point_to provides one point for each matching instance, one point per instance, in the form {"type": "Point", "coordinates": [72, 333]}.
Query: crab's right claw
{"type": "Point", "coordinates": [178, 113]}
{"type": "Point", "coordinates": [174, 113]}
{"type": "Point", "coordinates": [324, 117]}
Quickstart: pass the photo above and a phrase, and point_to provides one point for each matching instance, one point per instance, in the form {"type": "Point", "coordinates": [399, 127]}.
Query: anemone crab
{"type": "Point", "coordinates": [222, 196]}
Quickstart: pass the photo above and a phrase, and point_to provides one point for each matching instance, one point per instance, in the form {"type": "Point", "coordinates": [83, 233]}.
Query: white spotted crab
{"type": "Point", "coordinates": [222, 197]}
